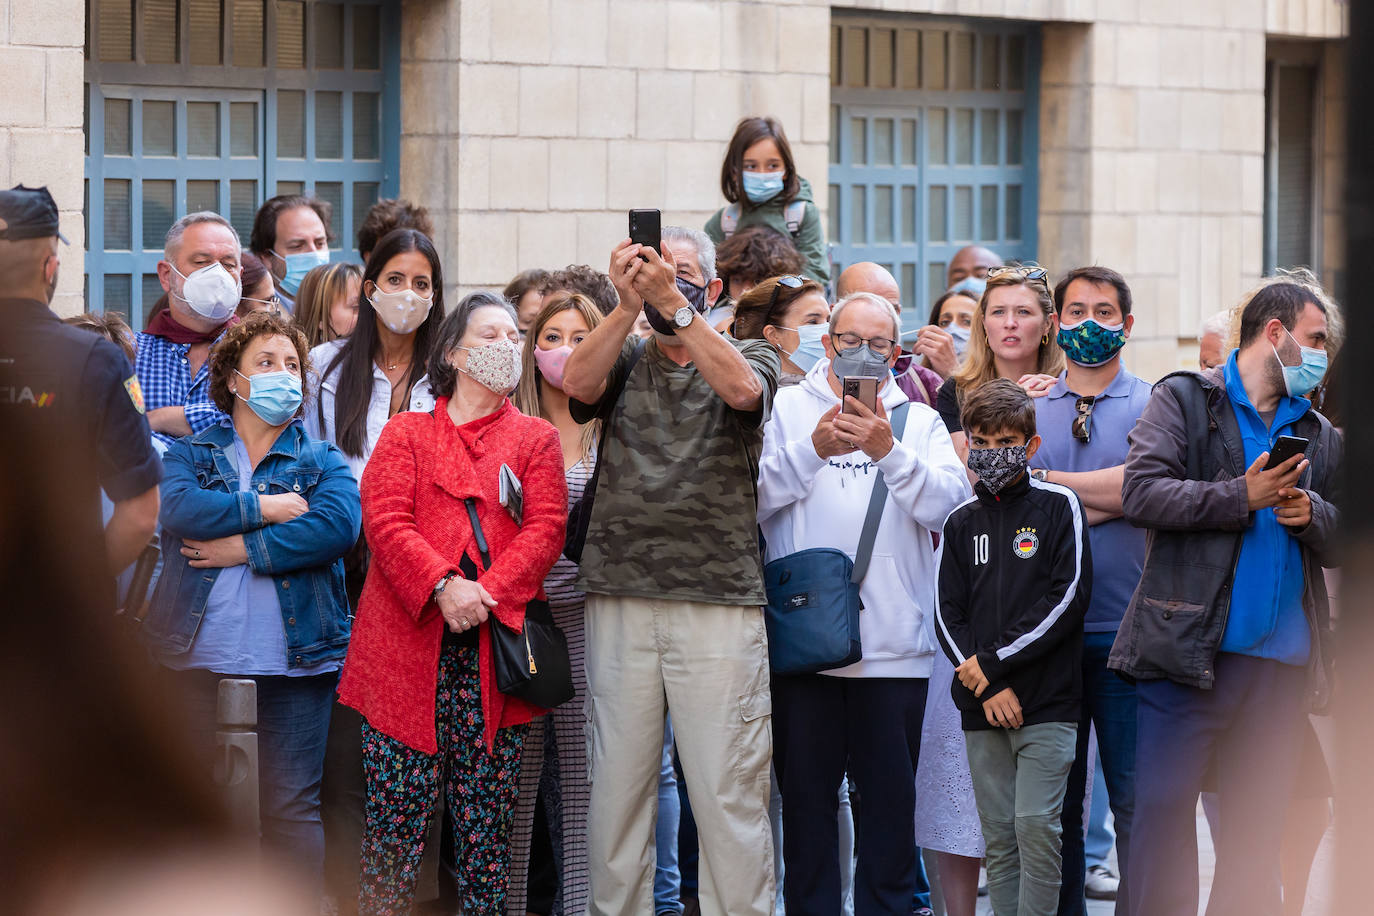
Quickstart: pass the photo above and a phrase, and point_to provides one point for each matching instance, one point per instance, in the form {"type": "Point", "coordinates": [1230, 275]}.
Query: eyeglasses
{"type": "Point", "coordinates": [883, 346]}
{"type": "Point", "coordinates": [789, 281]}
{"type": "Point", "coordinates": [1083, 423]}
{"type": "Point", "coordinates": [1024, 272]}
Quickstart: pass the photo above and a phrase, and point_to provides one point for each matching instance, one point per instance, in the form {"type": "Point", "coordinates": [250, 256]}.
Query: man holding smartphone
{"type": "Point", "coordinates": [674, 581]}
{"type": "Point", "coordinates": [1226, 635]}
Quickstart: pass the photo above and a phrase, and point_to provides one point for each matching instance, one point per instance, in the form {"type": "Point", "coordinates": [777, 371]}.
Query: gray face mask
{"type": "Point", "coordinates": [859, 361]}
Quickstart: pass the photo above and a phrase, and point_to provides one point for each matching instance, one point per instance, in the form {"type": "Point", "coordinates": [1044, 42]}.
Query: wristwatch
{"type": "Point", "coordinates": [683, 316]}
{"type": "Point", "coordinates": [439, 589]}
{"type": "Point", "coordinates": [1040, 474]}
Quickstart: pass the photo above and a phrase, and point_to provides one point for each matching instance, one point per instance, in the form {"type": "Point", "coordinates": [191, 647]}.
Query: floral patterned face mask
{"type": "Point", "coordinates": [495, 366]}
{"type": "Point", "coordinates": [997, 467]}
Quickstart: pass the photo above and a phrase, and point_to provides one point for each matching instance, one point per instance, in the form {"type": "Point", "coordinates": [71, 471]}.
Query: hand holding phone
{"type": "Point", "coordinates": [1285, 448]}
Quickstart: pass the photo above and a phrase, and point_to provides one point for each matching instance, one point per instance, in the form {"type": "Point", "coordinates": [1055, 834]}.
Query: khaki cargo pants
{"type": "Point", "coordinates": [708, 665]}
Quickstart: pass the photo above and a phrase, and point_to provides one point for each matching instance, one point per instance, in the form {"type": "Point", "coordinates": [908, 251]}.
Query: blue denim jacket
{"type": "Point", "coordinates": [201, 500]}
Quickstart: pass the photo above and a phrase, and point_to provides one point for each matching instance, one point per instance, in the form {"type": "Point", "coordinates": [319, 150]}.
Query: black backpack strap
{"type": "Point", "coordinates": [1188, 389]}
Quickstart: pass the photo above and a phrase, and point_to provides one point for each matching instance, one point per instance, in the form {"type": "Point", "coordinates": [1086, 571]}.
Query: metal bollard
{"type": "Point", "coordinates": [236, 751]}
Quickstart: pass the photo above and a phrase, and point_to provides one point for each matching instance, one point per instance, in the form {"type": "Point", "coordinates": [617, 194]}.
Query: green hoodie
{"type": "Point", "coordinates": [810, 238]}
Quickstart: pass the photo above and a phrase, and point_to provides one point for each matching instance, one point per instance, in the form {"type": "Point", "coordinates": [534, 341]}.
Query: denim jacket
{"type": "Point", "coordinates": [201, 500]}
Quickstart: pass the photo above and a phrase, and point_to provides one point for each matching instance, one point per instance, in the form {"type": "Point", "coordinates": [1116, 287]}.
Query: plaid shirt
{"type": "Point", "coordinates": [164, 374]}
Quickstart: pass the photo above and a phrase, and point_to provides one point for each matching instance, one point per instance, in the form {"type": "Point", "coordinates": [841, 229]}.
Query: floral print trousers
{"type": "Point", "coordinates": [403, 787]}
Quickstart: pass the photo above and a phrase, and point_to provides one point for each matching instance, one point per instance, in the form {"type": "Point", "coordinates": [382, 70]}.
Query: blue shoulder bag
{"type": "Point", "coordinates": [813, 595]}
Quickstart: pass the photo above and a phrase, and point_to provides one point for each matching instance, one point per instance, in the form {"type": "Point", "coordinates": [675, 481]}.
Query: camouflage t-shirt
{"type": "Point", "coordinates": [675, 514]}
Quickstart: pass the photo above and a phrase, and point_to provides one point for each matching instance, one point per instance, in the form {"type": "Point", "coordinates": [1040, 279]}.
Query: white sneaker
{"type": "Point", "coordinates": [1100, 883]}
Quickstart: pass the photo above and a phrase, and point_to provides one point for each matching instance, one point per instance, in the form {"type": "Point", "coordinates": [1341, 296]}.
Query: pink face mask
{"type": "Point", "coordinates": [551, 364]}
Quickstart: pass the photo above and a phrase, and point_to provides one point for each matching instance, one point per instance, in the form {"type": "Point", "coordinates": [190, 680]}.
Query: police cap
{"type": "Point", "coordinates": [28, 213]}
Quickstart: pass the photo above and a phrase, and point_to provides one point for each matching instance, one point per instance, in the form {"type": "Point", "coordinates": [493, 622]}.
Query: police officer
{"type": "Point", "coordinates": [72, 398]}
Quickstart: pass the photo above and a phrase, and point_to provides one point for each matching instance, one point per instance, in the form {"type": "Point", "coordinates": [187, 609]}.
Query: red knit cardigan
{"type": "Point", "coordinates": [417, 527]}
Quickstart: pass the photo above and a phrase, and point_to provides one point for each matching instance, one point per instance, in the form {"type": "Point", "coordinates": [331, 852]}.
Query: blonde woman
{"type": "Point", "coordinates": [557, 329]}
{"type": "Point", "coordinates": [327, 302]}
{"type": "Point", "coordinates": [1013, 337]}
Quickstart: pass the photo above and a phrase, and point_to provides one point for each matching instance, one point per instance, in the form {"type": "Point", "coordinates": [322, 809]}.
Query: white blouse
{"type": "Point", "coordinates": [421, 399]}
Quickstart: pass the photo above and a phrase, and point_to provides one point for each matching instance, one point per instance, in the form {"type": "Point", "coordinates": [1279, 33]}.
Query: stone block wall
{"type": "Point", "coordinates": [552, 118]}
{"type": "Point", "coordinates": [41, 142]}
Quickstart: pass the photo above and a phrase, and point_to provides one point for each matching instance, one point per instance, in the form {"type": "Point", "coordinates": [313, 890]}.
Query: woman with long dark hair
{"type": "Point", "coordinates": [379, 369]}
{"type": "Point", "coordinates": [364, 380]}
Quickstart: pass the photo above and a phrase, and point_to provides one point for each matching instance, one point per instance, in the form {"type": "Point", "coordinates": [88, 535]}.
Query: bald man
{"type": "Point", "coordinates": [919, 383]}
{"type": "Point", "coordinates": [970, 261]}
{"type": "Point", "coordinates": [867, 277]}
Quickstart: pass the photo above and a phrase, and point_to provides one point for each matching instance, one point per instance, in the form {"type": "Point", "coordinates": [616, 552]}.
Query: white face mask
{"type": "Point", "coordinates": [495, 366]}
{"type": "Point", "coordinates": [403, 311]}
{"type": "Point", "coordinates": [211, 292]}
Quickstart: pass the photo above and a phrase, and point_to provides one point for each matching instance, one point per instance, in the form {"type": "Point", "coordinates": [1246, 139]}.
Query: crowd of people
{"type": "Point", "coordinates": [835, 599]}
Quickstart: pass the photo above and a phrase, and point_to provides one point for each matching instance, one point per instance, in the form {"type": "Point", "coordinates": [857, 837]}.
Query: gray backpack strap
{"type": "Point", "coordinates": [876, 502]}
{"type": "Point", "coordinates": [729, 220]}
{"type": "Point", "coordinates": [794, 213]}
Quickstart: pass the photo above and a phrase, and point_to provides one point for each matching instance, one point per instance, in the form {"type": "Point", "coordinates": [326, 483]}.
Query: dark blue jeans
{"type": "Point", "coordinates": [1251, 721]}
{"type": "Point", "coordinates": [824, 727]}
{"type": "Point", "coordinates": [293, 728]}
{"type": "Point", "coordinates": [1109, 703]}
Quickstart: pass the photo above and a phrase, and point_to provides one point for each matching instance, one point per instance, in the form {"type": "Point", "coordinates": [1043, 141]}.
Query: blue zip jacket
{"type": "Point", "coordinates": [201, 500]}
{"type": "Point", "coordinates": [1266, 618]}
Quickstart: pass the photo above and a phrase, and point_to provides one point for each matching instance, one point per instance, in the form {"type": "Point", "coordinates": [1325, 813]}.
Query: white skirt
{"type": "Point", "coordinates": [946, 814]}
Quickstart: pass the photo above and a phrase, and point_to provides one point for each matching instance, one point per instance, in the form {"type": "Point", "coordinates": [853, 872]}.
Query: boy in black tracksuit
{"type": "Point", "coordinates": [1015, 578]}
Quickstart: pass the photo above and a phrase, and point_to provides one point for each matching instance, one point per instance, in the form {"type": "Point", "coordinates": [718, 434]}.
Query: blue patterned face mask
{"type": "Point", "coordinates": [1091, 344]}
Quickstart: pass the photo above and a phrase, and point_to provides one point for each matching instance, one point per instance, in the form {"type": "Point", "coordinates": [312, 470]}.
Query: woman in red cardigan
{"type": "Point", "coordinates": [419, 667]}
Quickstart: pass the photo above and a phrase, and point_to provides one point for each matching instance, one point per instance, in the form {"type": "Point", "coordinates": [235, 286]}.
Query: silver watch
{"type": "Point", "coordinates": [683, 316]}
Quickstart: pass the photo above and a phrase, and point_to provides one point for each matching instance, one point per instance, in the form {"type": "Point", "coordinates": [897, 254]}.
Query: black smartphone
{"type": "Point", "coordinates": [864, 389]}
{"type": "Point", "coordinates": [1285, 448]}
{"type": "Point", "coordinates": [645, 226]}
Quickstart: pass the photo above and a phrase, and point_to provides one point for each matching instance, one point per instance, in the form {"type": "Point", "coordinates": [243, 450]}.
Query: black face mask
{"type": "Point", "coordinates": [696, 299]}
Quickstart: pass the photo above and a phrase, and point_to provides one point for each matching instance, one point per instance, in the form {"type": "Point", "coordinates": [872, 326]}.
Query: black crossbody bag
{"type": "Point", "coordinates": [580, 515]}
{"type": "Point", "coordinates": [532, 664]}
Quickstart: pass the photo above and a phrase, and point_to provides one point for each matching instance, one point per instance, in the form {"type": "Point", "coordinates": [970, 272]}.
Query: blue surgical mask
{"type": "Point", "coordinates": [960, 335]}
{"type": "Point", "coordinates": [1299, 380]}
{"type": "Point", "coordinates": [298, 265]}
{"type": "Point", "coordinates": [761, 187]}
{"type": "Point", "coordinates": [273, 396]}
{"type": "Point", "coordinates": [1091, 344]}
{"type": "Point", "coordinates": [810, 346]}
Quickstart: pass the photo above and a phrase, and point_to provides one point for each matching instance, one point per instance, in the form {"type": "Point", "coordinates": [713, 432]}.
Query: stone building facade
{"type": "Point", "coordinates": [1162, 141]}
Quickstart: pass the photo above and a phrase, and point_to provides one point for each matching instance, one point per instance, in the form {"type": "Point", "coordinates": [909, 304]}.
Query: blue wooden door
{"type": "Point", "coordinates": [932, 147]}
{"type": "Point", "coordinates": [220, 104]}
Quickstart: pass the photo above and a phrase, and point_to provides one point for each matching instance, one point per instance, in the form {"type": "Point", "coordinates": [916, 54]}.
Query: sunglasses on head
{"type": "Point", "coordinates": [1030, 272]}
{"type": "Point", "coordinates": [789, 281]}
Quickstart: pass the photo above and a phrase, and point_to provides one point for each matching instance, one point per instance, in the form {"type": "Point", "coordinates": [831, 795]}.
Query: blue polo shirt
{"type": "Point", "coordinates": [1118, 547]}
{"type": "Point", "coordinates": [1266, 619]}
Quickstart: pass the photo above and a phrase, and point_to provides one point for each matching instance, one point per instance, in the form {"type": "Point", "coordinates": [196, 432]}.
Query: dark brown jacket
{"type": "Point", "coordinates": [1185, 482]}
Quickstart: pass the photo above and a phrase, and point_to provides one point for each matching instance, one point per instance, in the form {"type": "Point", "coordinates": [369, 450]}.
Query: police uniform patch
{"type": "Point", "coordinates": [135, 390]}
{"type": "Point", "coordinates": [1025, 543]}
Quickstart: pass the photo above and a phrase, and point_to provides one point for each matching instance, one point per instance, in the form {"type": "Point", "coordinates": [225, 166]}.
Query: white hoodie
{"type": "Point", "coordinates": [807, 501]}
